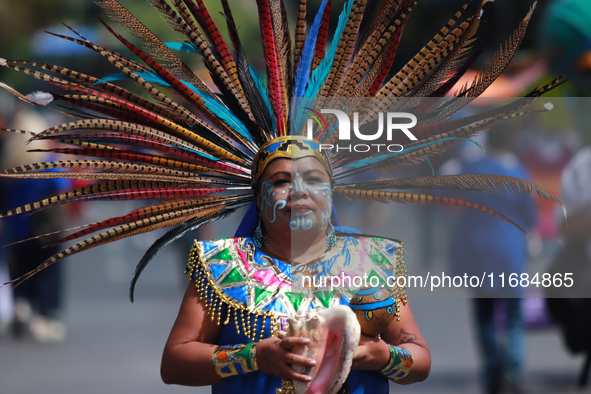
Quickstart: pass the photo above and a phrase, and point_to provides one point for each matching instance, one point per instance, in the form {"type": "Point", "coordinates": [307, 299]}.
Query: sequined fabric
{"type": "Point", "coordinates": [235, 278]}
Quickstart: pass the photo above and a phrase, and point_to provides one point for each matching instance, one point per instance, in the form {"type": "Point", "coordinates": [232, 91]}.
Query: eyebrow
{"type": "Point", "coordinates": [313, 170]}
{"type": "Point", "coordinates": [288, 173]}
{"type": "Point", "coordinates": [284, 173]}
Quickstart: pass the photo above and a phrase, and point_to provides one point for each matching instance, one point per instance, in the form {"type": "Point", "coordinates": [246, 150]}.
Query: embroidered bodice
{"type": "Point", "coordinates": [235, 278]}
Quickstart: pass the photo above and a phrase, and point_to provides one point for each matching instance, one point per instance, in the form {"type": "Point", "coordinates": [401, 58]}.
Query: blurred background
{"type": "Point", "coordinates": [75, 331]}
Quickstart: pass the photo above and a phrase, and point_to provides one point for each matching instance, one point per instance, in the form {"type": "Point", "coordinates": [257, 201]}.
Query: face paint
{"type": "Point", "coordinates": [268, 192]}
{"type": "Point", "coordinates": [295, 195]}
{"type": "Point", "coordinates": [301, 221]}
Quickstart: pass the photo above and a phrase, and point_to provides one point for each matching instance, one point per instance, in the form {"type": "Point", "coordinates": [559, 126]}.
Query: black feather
{"type": "Point", "coordinates": [259, 108]}
{"type": "Point", "coordinates": [175, 234]}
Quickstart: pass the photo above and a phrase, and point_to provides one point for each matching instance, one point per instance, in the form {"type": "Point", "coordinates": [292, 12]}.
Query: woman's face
{"type": "Point", "coordinates": [295, 195]}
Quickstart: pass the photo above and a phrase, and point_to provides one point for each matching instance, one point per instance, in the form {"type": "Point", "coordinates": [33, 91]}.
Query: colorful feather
{"type": "Point", "coordinates": [181, 141]}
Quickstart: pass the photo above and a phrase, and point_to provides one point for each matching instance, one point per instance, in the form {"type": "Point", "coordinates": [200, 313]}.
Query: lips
{"type": "Point", "coordinates": [300, 209]}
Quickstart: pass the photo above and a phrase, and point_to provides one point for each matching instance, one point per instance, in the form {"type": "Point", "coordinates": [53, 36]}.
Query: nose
{"type": "Point", "coordinates": [298, 190]}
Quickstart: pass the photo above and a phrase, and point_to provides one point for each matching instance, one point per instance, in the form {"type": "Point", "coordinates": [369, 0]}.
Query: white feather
{"type": "Point", "coordinates": [41, 98]}
{"type": "Point", "coordinates": [549, 106]}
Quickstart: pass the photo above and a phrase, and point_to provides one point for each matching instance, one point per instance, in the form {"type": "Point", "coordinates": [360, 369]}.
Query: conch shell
{"type": "Point", "coordinates": [334, 336]}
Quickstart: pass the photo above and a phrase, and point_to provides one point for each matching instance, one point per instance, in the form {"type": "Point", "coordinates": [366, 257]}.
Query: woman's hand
{"type": "Point", "coordinates": [275, 357]}
{"type": "Point", "coordinates": [372, 354]}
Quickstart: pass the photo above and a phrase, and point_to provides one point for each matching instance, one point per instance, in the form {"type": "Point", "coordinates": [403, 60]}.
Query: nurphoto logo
{"type": "Point", "coordinates": [402, 121]}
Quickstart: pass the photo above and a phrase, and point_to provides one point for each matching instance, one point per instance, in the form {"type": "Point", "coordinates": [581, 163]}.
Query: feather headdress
{"type": "Point", "coordinates": [191, 146]}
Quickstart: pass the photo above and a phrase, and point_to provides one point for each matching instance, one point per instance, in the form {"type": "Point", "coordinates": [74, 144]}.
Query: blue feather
{"type": "Point", "coordinates": [303, 71]}
{"type": "Point", "coordinates": [221, 111]}
{"type": "Point", "coordinates": [261, 84]}
{"type": "Point", "coordinates": [321, 72]}
{"type": "Point", "coordinates": [204, 155]}
{"type": "Point", "coordinates": [182, 47]}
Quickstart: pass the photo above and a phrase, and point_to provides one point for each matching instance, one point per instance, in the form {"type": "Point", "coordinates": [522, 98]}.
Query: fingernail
{"type": "Point", "coordinates": [313, 362]}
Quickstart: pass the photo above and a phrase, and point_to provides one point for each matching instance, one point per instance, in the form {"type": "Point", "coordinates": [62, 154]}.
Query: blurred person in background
{"type": "Point", "coordinates": [485, 245]}
{"type": "Point", "coordinates": [38, 302]}
{"type": "Point", "coordinates": [573, 314]}
{"type": "Point", "coordinates": [565, 42]}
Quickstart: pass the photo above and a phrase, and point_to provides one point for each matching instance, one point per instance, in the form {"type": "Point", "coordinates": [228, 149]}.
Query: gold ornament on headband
{"type": "Point", "coordinates": [288, 147]}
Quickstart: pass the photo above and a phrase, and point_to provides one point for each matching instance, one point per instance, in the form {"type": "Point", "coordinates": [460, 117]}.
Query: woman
{"type": "Point", "coordinates": [293, 198]}
{"type": "Point", "coordinates": [239, 138]}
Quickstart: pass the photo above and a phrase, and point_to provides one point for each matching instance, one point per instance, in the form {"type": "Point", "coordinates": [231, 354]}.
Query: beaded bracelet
{"type": "Point", "coordinates": [399, 365]}
{"type": "Point", "coordinates": [235, 360]}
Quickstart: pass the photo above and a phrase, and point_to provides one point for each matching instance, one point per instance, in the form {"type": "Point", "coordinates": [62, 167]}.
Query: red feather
{"type": "Point", "coordinates": [321, 37]}
{"type": "Point", "coordinates": [174, 82]}
{"type": "Point", "coordinates": [145, 142]}
{"type": "Point", "coordinates": [271, 56]}
{"type": "Point", "coordinates": [385, 68]}
{"type": "Point", "coordinates": [167, 193]}
{"type": "Point", "coordinates": [134, 215]}
{"type": "Point", "coordinates": [213, 35]}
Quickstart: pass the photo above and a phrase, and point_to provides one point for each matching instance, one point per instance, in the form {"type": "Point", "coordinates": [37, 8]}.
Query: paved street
{"type": "Point", "coordinates": [114, 346]}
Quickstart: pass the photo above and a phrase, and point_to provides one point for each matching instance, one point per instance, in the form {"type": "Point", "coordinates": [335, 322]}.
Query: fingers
{"type": "Point", "coordinates": [283, 367]}
{"type": "Point", "coordinates": [277, 358]}
{"type": "Point", "coordinates": [287, 360]}
{"type": "Point", "coordinates": [294, 359]}
{"type": "Point", "coordinates": [301, 378]}
{"type": "Point", "coordinates": [286, 372]}
{"type": "Point", "coordinates": [291, 342]}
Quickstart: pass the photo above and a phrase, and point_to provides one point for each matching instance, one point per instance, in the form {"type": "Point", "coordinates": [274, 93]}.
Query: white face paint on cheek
{"type": "Point", "coordinates": [327, 194]}
{"type": "Point", "coordinates": [302, 222]}
{"type": "Point", "coordinates": [270, 209]}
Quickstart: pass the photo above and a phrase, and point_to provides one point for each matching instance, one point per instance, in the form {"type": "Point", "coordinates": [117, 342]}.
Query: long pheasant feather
{"type": "Point", "coordinates": [126, 230]}
{"type": "Point", "coordinates": [300, 32]}
{"type": "Point", "coordinates": [363, 195]}
{"type": "Point", "coordinates": [186, 25]}
{"type": "Point", "coordinates": [182, 88]}
{"type": "Point", "coordinates": [196, 221]}
{"type": "Point", "coordinates": [283, 40]}
{"type": "Point", "coordinates": [145, 142]}
{"type": "Point", "coordinates": [408, 69]}
{"type": "Point", "coordinates": [303, 69]}
{"type": "Point", "coordinates": [322, 36]}
{"type": "Point", "coordinates": [272, 62]}
{"type": "Point", "coordinates": [500, 61]}
{"type": "Point", "coordinates": [215, 38]}
{"type": "Point", "coordinates": [344, 48]}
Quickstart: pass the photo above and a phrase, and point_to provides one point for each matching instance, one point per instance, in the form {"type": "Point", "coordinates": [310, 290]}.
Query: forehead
{"type": "Point", "coordinates": [302, 165]}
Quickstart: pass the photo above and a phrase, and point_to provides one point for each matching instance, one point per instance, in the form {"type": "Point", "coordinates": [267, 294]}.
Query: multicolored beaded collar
{"type": "Point", "coordinates": [235, 278]}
